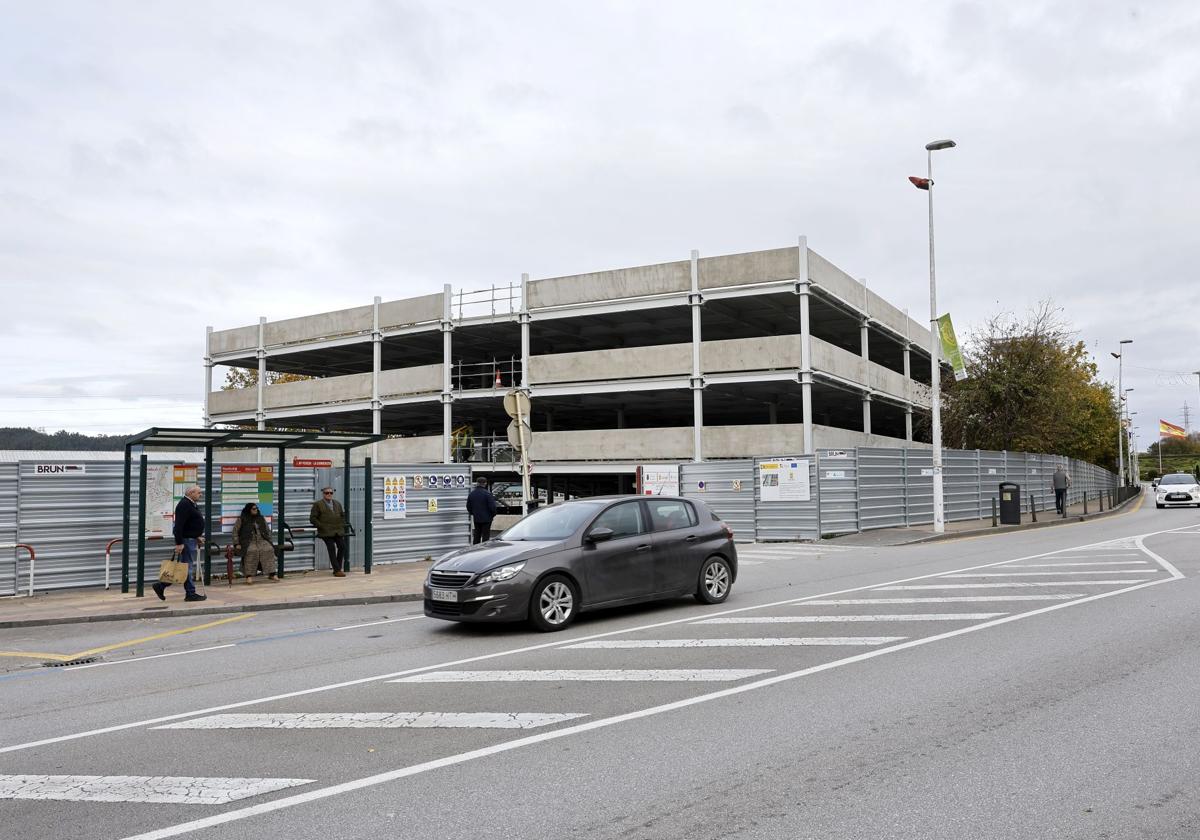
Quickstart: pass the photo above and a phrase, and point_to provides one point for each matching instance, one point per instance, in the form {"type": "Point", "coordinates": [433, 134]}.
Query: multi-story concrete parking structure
{"type": "Point", "coordinates": [757, 354]}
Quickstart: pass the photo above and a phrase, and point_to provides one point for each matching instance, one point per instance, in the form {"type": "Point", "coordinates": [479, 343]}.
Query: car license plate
{"type": "Point", "coordinates": [443, 594]}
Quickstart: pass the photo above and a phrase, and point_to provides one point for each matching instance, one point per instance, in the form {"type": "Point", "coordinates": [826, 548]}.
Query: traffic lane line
{"type": "Point", "coordinates": [67, 657]}
{"type": "Point", "coordinates": [589, 726]}
{"type": "Point", "coordinates": [516, 651]}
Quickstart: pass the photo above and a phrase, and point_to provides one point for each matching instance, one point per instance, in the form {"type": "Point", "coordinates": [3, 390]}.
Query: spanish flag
{"type": "Point", "coordinates": [1166, 429]}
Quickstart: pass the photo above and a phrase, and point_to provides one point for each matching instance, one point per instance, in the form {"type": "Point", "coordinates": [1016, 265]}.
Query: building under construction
{"type": "Point", "coordinates": [767, 353]}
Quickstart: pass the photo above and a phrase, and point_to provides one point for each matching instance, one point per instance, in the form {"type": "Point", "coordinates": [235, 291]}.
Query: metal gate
{"type": "Point", "coordinates": [918, 479]}
{"type": "Point", "coordinates": [882, 495]}
{"type": "Point", "coordinates": [837, 475]}
{"type": "Point", "coordinates": [728, 488]}
{"type": "Point", "coordinates": [786, 521]}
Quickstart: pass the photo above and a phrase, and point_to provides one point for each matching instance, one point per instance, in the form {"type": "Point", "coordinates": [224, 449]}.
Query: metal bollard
{"type": "Point", "coordinates": [995, 521]}
{"type": "Point", "coordinates": [1085, 503]}
{"type": "Point", "coordinates": [1032, 509]}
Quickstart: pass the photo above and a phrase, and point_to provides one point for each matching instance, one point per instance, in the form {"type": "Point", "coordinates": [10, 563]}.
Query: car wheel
{"type": "Point", "coordinates": [554, 604]}
{"type": "Point", "coordinates": [715, 581]}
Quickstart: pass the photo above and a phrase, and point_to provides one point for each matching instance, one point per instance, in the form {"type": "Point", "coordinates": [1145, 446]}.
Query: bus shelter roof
{"type": "Point", "coordinates": [249, 438]}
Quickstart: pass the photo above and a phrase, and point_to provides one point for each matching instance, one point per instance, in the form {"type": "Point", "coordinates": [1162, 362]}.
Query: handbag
{"type": "Point", "coordinates": [173, 571]}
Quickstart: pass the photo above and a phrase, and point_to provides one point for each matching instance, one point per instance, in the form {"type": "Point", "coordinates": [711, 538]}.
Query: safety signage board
{"type": "Point", "coordinates": [658, 479]}
{"type": "Point", "coordinates": [784, 480]}
{"type": "Point", "coordinates": [395, 497]}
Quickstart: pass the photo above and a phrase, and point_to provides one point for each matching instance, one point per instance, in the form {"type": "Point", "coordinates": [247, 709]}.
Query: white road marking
{"type": "Point", "coordinates": [374, 623]}
{"type": "Point", "coordinates": [1086, 563]}
{"type": "Point", "coordinates": [598, 675]}
{"type": "Point", "coordinates": [1031, 574]}
{"type": "Point", "coordinates": [1008, 584]}
{"type": "Point", "coordinates": [548, 645]}
{"type": "Point", "coordinates": [377, 720]}
{"type": "Point", "coordinates": [803, 641]}
{"type": "Point", "coordinates": [750, 562]}
{"type": "Point", "coordinates": [603, 723]}
{"type": "Point", "coordinates": [821, 619]}
{"type": "Point", "coordinates": [948, 599]}
{"type": "Point", "coordinates": [144, 658]}
{"type": "Point", "coordinates": [173, 790]}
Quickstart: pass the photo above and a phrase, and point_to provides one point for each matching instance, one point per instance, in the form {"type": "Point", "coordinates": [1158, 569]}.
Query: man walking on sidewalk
{"type": "Point", "coordinates": [1061, 482]}
{"type": "Point", "coordinates": [188, 530]}
{"type": "Point", "coordinates": [329, 518]}
{"type": "Point", "coordinates": [481, 504]}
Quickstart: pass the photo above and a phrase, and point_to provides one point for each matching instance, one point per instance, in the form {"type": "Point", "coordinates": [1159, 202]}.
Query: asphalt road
{"type": "Point", "coordinates": [1038, 684]}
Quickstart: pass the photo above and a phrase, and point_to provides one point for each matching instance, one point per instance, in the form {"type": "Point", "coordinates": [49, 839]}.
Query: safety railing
{"type": "Point", "coordinates": [17, 565]}
{"type": "Point", "coordinates": [496, 374]}
{"type": "Point", "coordinates": [490, 302]}
{"type": "Point", "coordinates": [486, 449]}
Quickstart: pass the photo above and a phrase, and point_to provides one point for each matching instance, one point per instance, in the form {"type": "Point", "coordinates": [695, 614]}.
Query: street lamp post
{"type": "Point", "coordinates": [1119, 356]}
{"type": "Point", "coordinates": [939, 515]}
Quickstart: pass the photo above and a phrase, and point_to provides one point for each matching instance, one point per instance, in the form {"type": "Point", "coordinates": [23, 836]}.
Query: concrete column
{"type": "Point", "coordinates": [549, 420]}
{"type": "Point", "coordinates": [864, 338]}
{"type": "Point", "coordinates": [908, 423]}
{"type": "Point", "coordinates": [695, 299]}
{"type": "Point", "coordinates": [524, 318]}
{"type": "Point", "coordinates": [447, 325]}
{"type": "Point", "coordinates": [773, 412]}
{"type": "Point", "coordinates": [621, 418]}
{"type": "Point", "coordinates": [376, 364]}
{"type": "Point", "coordinates": [907, 360]}
{"type": "Point", "coordinates": [803, 288]}
{"type": "Point", "coordinates": [260, 414]}
{"type": "Point", "coordinates": [208, 369]}
{"type": "Point", "coordinates": [866, 401]}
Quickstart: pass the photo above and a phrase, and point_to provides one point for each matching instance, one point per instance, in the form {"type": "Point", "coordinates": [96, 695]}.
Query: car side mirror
{"type": "Point", "coordinates": [599, 534]}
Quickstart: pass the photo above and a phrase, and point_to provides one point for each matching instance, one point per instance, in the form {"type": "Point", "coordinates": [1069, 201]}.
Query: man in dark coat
{"type": "Point", "coordinates": [188, 529]}
{"type": "Point", "coordinates": [329, 518]}
{"type": "Point", "coordinates": [481, 504]}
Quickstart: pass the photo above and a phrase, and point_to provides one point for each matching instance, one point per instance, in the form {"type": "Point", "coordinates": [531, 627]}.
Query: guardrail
{"type": "Point", "coordinates": [17, 565]}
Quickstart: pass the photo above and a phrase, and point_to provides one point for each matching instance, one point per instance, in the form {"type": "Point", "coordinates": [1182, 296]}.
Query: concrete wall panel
{"type": "Point", "coordinates": [331, 389]}
{"type": "Point", "coordinates": [615, 444]}
{"type": "Point", "coordinates": [417, 310]}
{"type": "Point", "coordinates": [237, 401]}
{"type": "Point", "coordinates": [238, 338]}
{"type": "Point", "coordinates": [423, 379]}
{"type": "Point", "coordinates": [426, 449]}
{"type": "Point", "coordinates": [828, 437]}
{"type": "Point", "coordinates": [777, 352]}
{"type": "Point", "coordinates": [623, 362]}
{"type": "Point", "coordinates": [741, 441]}
{"type": "Point", "coordinates": [323, 325]}
{"type": "Point", "coordinates": [641, 281]}
{"type": "Point", "coordinates": [752, 267]}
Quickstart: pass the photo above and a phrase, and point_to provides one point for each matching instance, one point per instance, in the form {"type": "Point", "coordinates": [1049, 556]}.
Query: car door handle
{"type": "Point", "coordinates": [690, 538]}
{"type": "Point", "coordinates": [643, 548]}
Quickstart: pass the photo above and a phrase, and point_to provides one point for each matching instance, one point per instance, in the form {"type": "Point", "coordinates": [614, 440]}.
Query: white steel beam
{"type": "Point", "coordinates": [697, 381]}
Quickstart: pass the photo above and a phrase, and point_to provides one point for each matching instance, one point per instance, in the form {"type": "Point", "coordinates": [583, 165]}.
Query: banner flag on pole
{"type": "Point", "coordinates": [950, 347]}
{"type": "Point", "coordinates": [1166, 429]}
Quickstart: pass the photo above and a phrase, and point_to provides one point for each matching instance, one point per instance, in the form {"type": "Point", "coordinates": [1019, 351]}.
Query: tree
{"type": "Point", "coordinates": [238, 378]}
{"type": "Point", "coordinates": [1031, 386]}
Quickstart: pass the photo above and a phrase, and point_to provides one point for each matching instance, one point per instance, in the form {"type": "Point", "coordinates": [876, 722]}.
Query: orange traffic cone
{"type": "Point", "coordinates": [498, 382]}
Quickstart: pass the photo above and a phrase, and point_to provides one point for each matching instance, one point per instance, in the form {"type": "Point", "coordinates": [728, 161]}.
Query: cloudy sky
{"type": "Point", "coordinates": [166, 166]}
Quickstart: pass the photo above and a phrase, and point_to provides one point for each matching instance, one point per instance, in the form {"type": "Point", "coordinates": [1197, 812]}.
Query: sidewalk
{"type": "Point", "coordinates": [388, 583]}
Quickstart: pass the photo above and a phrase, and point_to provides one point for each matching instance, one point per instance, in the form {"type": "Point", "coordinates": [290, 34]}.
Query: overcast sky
{"type": "Point", "coordinates": [167, 165]}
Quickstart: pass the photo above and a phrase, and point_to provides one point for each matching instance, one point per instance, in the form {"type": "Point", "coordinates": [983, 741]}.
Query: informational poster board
{"type": "Point", "coordinates": [395, 497]}
{"type": "Point", "coordinates": [658, 479]}
{"type": "Point", "coordinates": [241, 485]}
{"type": "Point", "coordinates": [784, 480]}
{"type": "Point", "coordinates": [165, 486]}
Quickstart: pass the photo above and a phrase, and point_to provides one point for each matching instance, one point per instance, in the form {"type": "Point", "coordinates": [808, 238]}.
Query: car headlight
{"type": "Point", "coordinates": [500, 573]}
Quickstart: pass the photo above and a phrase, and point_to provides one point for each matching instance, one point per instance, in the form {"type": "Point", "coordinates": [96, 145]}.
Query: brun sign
{"type": "Point", "coordinates": [59, 469]}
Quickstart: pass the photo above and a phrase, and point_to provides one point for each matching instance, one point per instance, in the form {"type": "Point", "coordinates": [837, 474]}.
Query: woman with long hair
{"type": "Point", "coordinates": [252, 540]}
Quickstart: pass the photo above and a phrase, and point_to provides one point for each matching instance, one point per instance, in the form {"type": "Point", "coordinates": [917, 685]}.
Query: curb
{"type": "Point", "coordinates": [174, 612]}
{"type": "Point", "coordinates": [1052, 522]}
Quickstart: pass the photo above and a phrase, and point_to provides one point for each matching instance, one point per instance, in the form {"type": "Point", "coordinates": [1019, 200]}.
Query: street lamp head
{"type": "Point", "coordinates": [938, 145]}
{"type": "Point", "coordinates": [1115, 355]}
{"type": "Point", "coordinates": [1126, 341]}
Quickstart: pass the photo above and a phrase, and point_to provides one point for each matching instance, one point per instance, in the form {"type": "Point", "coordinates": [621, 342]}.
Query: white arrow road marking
{"type": "Point", "coordinates": [821, 619]}
{"type": "Point", "coordinates": [671, 675]}
{"type": "Point", "coordinates": [174, 790]}
{"type": "Point", "coordinates": [1007, 585]}
{"type": "Point", "coordinates": [946, 599]}
{"type": "Point", "coordinates": [1073, 572]}
{"type": "Point", "coordinates": [631, 644]}
{"type": "Point", "coordinates": [377, 720]}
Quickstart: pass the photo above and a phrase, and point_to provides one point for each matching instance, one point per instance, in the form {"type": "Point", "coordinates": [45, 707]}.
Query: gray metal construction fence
{"type": "Point", "coordinates": [69, 519]}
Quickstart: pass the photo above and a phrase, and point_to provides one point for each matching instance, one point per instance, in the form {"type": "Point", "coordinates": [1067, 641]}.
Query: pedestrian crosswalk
{"type": "Point", "coordinates": [596, 675]}
{"type": "Point", "coordinates": [822, 619]}
{"type": "Point", "coordinates": [376, 720]}
{"type": "Point", "coordinates": [164, 790]}
{"type": "Point", "coordinates": [804, 641]}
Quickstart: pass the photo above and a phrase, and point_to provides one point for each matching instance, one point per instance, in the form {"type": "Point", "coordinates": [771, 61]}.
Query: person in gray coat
{"type": "Point", "coordinates": [1061, 482]}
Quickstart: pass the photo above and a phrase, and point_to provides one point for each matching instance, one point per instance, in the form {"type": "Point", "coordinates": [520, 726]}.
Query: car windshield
{"type": "Point", "coordinates": [1180, 478]}
{"type": "Point", "coordinates": [556, 522]}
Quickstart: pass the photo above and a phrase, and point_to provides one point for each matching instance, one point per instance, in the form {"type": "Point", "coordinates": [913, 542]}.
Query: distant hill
{"type": "Point", "coordinates": [12, 438]}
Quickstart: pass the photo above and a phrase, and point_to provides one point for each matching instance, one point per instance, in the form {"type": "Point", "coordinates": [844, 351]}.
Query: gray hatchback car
{"type": "Point", "coordinates": [587, 554]}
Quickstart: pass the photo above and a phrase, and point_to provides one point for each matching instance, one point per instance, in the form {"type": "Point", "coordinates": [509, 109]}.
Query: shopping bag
{"type": "Point", "coordinates": [173, 571]}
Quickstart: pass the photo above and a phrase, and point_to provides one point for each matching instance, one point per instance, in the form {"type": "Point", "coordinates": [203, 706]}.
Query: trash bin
{"type": "Point", "coordinates": [1010, 503]}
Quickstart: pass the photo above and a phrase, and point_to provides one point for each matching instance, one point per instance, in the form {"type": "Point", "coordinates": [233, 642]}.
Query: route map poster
{"type": "Point", "coordinates": [165, 485]}
{"type": "Point", "coordinates": [241, 485]}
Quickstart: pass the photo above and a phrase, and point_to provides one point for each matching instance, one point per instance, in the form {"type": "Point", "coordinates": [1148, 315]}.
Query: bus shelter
{"type": "Point", "coordinates": [213, 439]}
